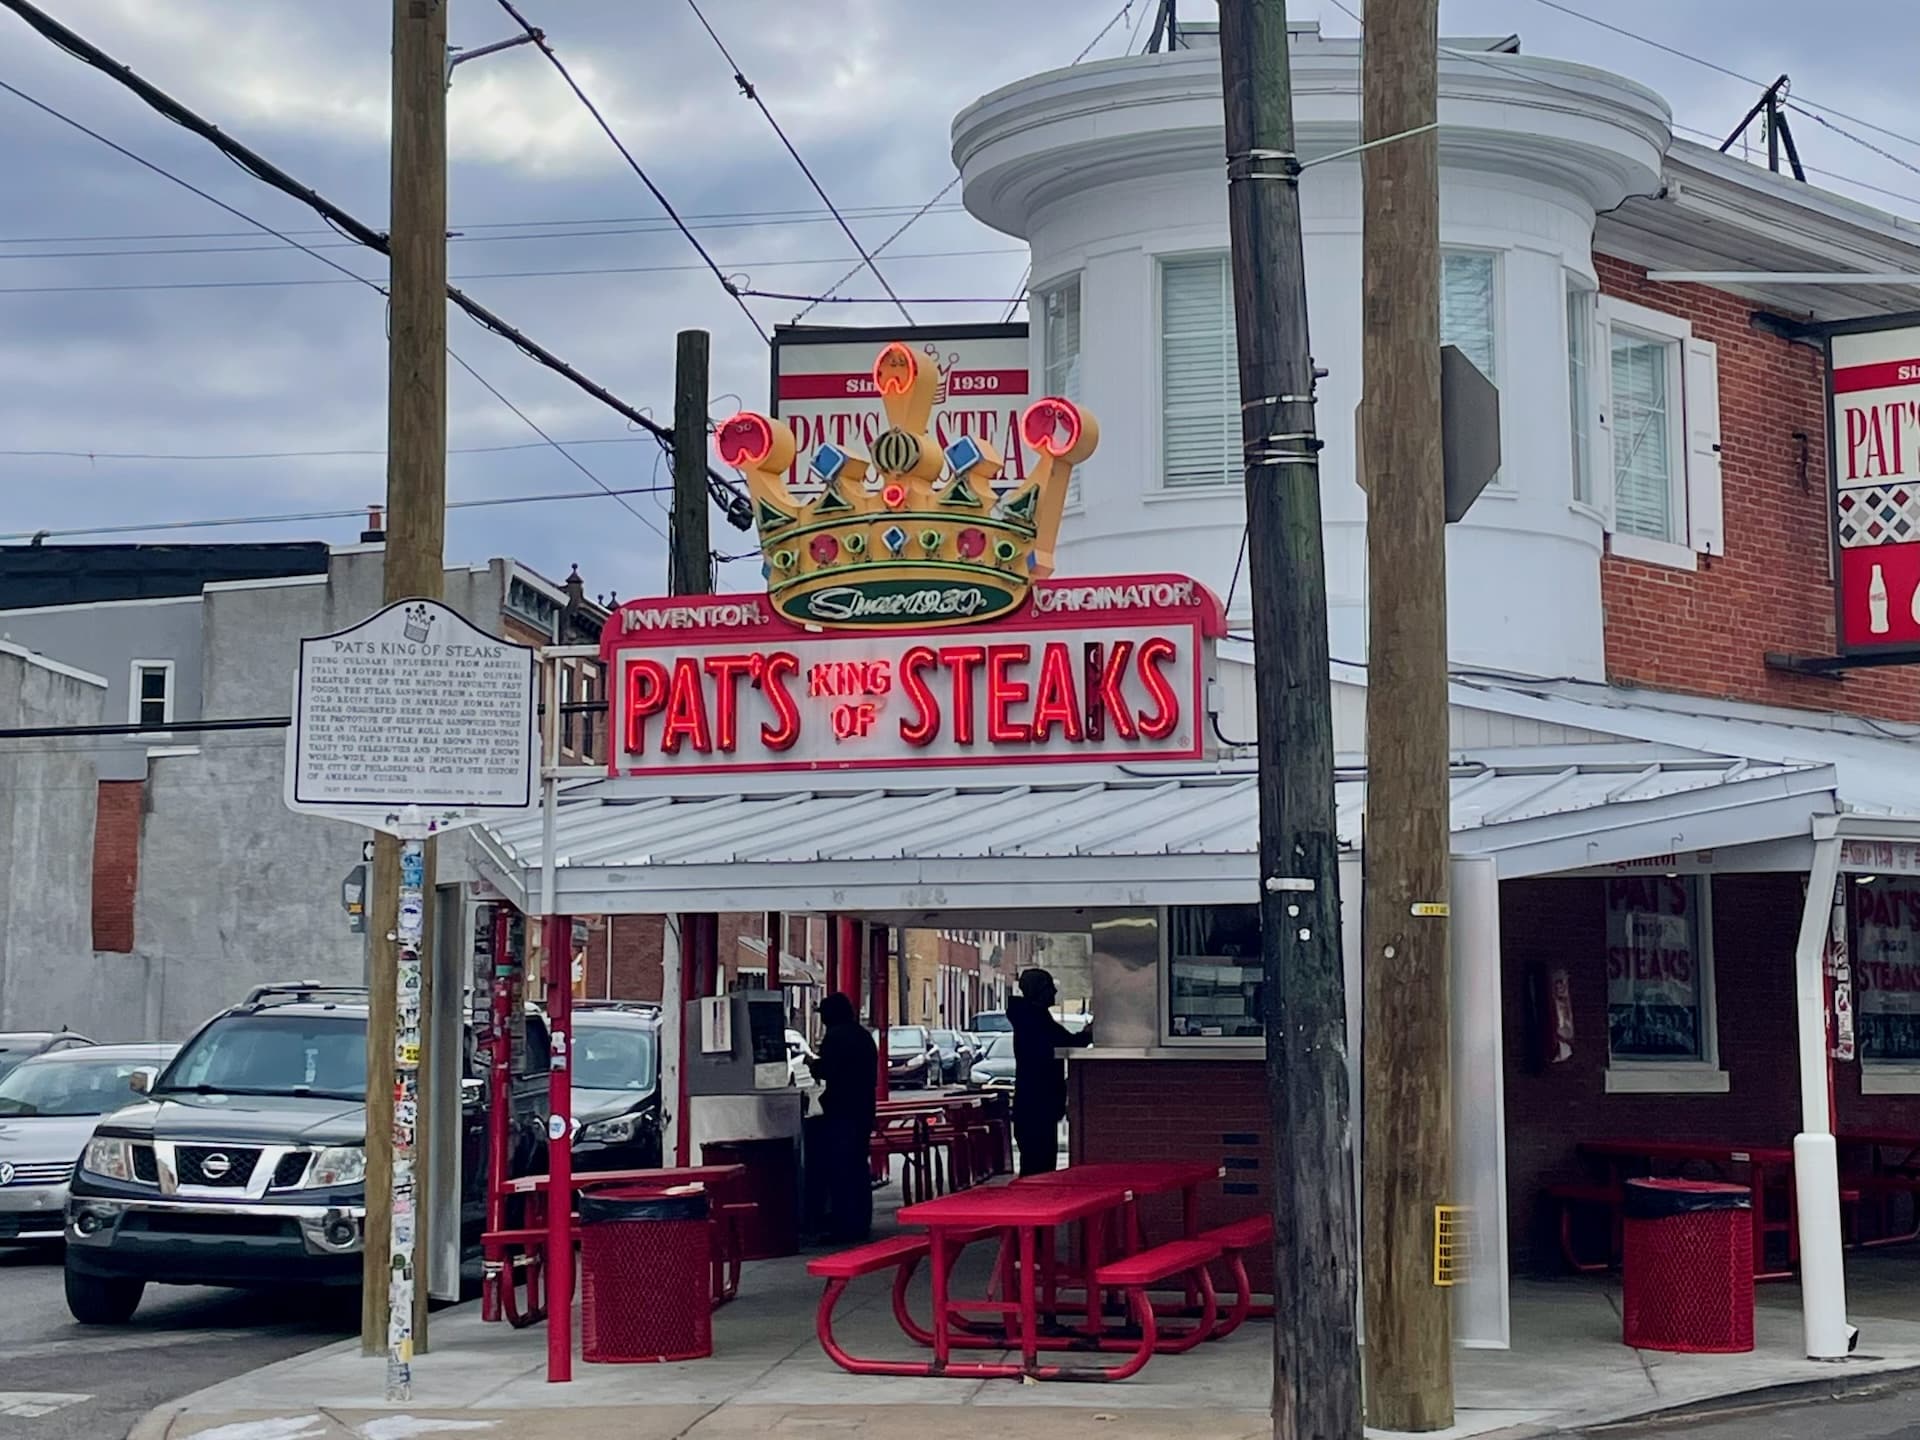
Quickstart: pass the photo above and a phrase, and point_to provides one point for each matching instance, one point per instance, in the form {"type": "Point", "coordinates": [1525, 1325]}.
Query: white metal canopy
{"type": "Point", "coordinates": [1076, 838]}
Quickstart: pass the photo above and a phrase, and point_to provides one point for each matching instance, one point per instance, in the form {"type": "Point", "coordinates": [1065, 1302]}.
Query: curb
{"type": "Point", "coordinates": [1840, 1386]}
{"type": "Point", "coordinates": [157, 1423]}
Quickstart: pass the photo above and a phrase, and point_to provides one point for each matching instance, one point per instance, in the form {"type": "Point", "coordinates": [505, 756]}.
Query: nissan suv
{"type": "Point", "coordinates": [245, 1163]}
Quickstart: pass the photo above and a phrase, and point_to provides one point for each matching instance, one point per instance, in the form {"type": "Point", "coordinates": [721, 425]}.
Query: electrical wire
{"type": "Point", "coordinates": [295, 284]}
{"type": "Point", "coordinates": [945, 190]}
{"type": "Point", "coordinates": [813, 300]}
{"type": "Point", "coordinates": [540, 41]}
{"type": "Point", "coordinates": [306, 516]}
{"type": "Point", "coordinates": [1880, 150]}
{"type": "Point", "coordinates": [1120, 14]}
{"type": "Point", "coordinates": [371, 284]}
{"type": "Point", "coordinates": [148, 455]}
{"type": "Point", "coordinates": [1019, 296]}
{"type": "Point", "coordinates": [748, 89]}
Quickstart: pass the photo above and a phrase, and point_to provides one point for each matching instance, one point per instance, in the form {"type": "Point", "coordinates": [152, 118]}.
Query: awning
{"type": "Point", "coordinates": [1074, 839]}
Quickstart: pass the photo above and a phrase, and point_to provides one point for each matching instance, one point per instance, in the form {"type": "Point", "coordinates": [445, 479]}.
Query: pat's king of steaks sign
{"type": "Point", "coordinates": [911, 617]}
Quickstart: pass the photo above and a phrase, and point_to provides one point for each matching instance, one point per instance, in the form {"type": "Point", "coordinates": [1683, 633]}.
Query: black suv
{"type": "Point", "coordinates": [245, 1164]}
{"type": "Point", "coordinates": [616, 1086]}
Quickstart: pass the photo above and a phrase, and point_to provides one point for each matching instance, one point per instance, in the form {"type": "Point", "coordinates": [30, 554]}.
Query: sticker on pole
{"type": "Point", "coordinates": [412, 709]}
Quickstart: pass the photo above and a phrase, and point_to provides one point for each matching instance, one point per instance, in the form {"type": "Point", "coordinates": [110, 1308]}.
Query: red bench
{"type": "Point", "coordinates": [1234, 1241]}
{"type": "Point", "coordinates": [1137, 1274]}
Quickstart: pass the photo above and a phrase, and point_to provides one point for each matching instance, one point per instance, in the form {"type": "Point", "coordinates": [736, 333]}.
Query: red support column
{"type": "Point", "coordinates": [879, 1016]}
{"type": "Point", "coordinates": [557, 953]}
{"type": "Point", "coordinates": [848, 948]}
{"type": "Point", "coordinates": [689, 991]}
{"type": "Point", "coordinates": [499, 1106]}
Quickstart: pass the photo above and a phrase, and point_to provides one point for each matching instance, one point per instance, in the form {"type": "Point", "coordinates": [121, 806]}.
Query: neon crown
{"type": "Point", "coordinates": [918, 535]}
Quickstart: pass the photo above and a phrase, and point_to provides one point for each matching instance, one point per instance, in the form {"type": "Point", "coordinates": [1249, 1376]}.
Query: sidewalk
{"type": "Point", "coordinates": [768, 1378]}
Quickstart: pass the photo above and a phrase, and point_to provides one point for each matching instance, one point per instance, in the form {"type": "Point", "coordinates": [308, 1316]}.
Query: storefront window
{"type": "Point", "coordinates": [1657, 973]}
{"type": "Point", "coordinates": [1886, 969]}
{"type": "Point", "coordinates": [1214, 971]}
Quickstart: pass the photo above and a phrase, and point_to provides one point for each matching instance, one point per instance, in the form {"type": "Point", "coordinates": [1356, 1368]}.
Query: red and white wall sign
{"type": "Point", "coordinates": [1876, 470]}
{"type": "Point", "coordinates": [1103, 669]}
{"type": "Point", "coordinates": [823, 388]}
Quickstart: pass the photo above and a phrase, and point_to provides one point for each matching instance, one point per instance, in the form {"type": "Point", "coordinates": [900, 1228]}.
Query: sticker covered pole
{"type": "Point", "coordinates": [409, 934]}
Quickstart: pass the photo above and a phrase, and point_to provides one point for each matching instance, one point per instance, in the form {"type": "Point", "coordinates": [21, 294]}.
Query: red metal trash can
{"type": "Point", "coordinates": [1687, 1267]}
{"type": "Point", "coordinates": [646, 1275]}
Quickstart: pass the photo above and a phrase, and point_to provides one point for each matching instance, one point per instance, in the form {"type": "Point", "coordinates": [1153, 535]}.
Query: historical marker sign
{"type": "Point", "coordinates": [412, 707]}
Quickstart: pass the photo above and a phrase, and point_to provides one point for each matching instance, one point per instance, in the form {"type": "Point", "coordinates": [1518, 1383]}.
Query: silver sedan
{"type": "Point", "coordinates": [48, 1108]}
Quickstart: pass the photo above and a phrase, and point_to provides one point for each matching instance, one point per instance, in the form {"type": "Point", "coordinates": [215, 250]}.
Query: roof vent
{"type": "Point", "coordinates": [376, 531]}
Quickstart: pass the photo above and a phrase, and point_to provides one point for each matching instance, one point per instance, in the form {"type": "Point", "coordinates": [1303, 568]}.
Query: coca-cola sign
{"type": "Point", "coordinates": [1874, 387]}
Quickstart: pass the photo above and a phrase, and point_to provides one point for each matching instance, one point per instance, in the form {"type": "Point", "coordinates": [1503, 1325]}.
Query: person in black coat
{"type": "Point", "coordinates": [1039, 1079]}
{"type": "Point", "coordinates": [848, 1065]}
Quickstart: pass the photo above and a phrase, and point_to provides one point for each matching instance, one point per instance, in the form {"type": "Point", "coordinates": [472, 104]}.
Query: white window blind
{"type": "Point", "coordinates": [1580, 390]}
{"type": "Point", "coordinates": [1060, 352]}
{"type": "Point", "coordinates": [1199, 378]}
{"type": "Point", "coordinates": [1643, 489]}
{"type": "Point", "coordinates": [1466, 308]}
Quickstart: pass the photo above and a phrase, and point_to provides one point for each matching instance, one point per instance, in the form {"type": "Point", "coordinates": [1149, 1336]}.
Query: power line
{"type": "Point", "coordinates": [813, 300]}
{"type": "Point", "coordinates": [747, 89]}
{"type": "Point", "coordinates": [122, 287]}
{"type": "Point", "coordinates": [1119, 14]}
{"type": "Point", "coordinates": [725, 493]}
{"type": "Point", "coordinates": [257, 455]}
{"type": "Point", "coordinates": [378, 289]}
{"type": "Point", "coordinates": [905, 225]}
{"type": "Point", "coordinates": [540, 40]}
{"type": "Point", "coordinates": [456, 234]}
{"type": "Point", "coordinates": [307, 516]}
{"type": "Point", "coordinates": [1880, 150]}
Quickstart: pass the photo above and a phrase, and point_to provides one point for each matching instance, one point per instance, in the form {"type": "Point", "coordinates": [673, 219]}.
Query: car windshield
{"type": "Point", "coordinates": [269, 1054]}
{"type": "Point", "coordinates": [57, 1085]}
{"type": "Point", "coordinates": [946, 1039]}
{"type": "Point", "coordinates": [906, 1038]}
{"type": "Point", "coordinates": [614, 1057]}
{"type": "Point", "coordinates": [997, 1045]}
{"type": "Point", "coordinates": [993, 1022]}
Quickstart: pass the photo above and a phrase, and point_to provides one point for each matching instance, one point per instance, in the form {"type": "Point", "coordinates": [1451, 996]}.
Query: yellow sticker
{"type": "Point", "coordinates": [409, 1054]}
{"type": "Point", "coordinates": [1429, 907]}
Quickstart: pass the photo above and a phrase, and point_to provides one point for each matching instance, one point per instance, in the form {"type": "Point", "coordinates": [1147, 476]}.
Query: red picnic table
{"type": "Point", "coordinates": [723, 1217]}
{"type": "Point", "coordinates": [1764, 1164]}
{"type": "Point", "coordinates": [1891, 1170]}
{"type": "Point", "coordinates": [1142, 1177]}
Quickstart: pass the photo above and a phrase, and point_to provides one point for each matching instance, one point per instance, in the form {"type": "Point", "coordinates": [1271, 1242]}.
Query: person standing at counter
{"type": "Point", "coordinates": [1039, 1079]}
{"type": "Point", "coordinates": [848, 1065]}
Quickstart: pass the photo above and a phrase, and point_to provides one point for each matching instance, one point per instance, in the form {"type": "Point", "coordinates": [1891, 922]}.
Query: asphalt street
{"type": "Point", "coordinates": [1890, 1413]}
{"type": "Point", "coordinates": [62, 1381]}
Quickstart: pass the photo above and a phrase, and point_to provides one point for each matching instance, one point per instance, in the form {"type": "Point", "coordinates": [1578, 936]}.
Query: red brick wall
{"type": "Point", "coordinates": [1706, 632]}
{"type": "Point", "coordinates": [116, 863]}
{"type": "Point", "coordinates": [636, 956]}
{"type": "Point", "coordinates": [1213, 1110]}
{"type": "Point", "coordinates": [1560, 923]}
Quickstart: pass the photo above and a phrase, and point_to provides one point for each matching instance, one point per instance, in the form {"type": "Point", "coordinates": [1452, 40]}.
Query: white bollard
{"type": "Point", "coordinates": [1823, 1280]}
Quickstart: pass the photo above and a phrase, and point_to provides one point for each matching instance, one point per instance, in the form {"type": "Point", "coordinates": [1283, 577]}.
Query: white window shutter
{"type": "Point", "coordinates": [1706, 528]}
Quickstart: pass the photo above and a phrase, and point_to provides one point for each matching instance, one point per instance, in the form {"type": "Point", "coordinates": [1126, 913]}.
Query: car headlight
{"type": "Point", "coordinates": [337, 1165]}
{"type": "Point", "coordinates": [914, 1062]}
{"type": "Point", "coordinates": [616, 1131]}
{"type": "Point", "coordinates": [108, 1157]}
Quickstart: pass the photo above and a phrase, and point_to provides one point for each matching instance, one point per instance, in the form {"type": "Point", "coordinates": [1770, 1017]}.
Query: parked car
{"type": "Point", "coordinates": [994, 1069]}
{"type": "Point", "coordinates": [913, 1060]}
{"type": "Point", "coordinates": [957, 1052]}
{"type": "Point", "coordinates": [48, 1107]}
{"type": "Point", "coordinates": [992, 1022]}
{"type": "Point", "coordinates": [616, 1088]}
{"type": "Point", "coordinates": [17, 1046]}
{"type": "Point", "coordinates": [245, 1163]}
{"type": "Point", "coordinates": [800, 1056]}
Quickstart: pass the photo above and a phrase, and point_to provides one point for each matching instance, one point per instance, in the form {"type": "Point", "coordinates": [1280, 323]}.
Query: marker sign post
{"type": "Point", "coordinates": [412, 722]}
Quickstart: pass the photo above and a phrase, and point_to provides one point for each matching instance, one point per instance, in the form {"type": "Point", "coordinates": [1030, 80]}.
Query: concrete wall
{"type": "Point", "coordinates": [46, 850]}
{"type": "Point", "coordinates": [104, 640]}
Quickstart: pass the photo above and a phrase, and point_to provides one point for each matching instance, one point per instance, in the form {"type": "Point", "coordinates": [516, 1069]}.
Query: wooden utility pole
{"type": "Point", "coordinates": [416, 541]}
{"type": "Point", "coordinates": [689, 553]}
{"type": "Point", "coordinates": [1407, 1102]}
{"type": "Point", "coordinates": [1316, 1366]}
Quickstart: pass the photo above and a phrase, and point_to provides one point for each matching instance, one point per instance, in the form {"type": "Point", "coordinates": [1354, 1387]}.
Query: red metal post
{"type": "Point", "coordinates": [499, 1107]}
{"type": "Point", "coordinates": [558, 955]}
{"type": "Point", "coordinates": [878, 1016]}
{"type": "Point", "coordinates": [688, 991]}
{"type": "Point", "coordinates": [849, 948]}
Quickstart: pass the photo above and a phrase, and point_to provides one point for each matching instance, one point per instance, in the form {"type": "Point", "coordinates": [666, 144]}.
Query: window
{"type": "Point", "coordinates": [1466, 308]}
{"type": "Point", "coordinates": [150, 699]}
{"type": "Point", "coordinates": [1660, 1009]}
{"type": "Point", "coordinates": [1214, 972]}
{"type": "Point", "coordinates": [1661, 434]}
{"type": "Point", "coordinates": [1886, 970]}
{"type": "Point", "coordinates": [1059, 307]}
{"type": "Point", "coordinates": [1580, 389]}
{"type": "Point", "coordinates": [1199, 375]}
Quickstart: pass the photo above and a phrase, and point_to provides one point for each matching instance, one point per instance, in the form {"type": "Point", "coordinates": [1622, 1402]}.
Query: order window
{"type": "Point", "coordinates": [1214, 973]}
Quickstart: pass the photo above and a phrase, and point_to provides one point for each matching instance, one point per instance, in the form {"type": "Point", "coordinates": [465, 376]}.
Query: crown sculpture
{"type": "Point", "coordinates": [917, 535]}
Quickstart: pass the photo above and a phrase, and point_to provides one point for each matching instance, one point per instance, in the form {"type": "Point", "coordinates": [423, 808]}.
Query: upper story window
{"type": "Point", "coordinates": [1656, 423]}
{"type": "Point", "coordinates": [150, 693]}
{"type": "Point", "coordinates": [1059, 309]}
{"type": "Point", "coordinates": [1199, 374]}
{"type": "Point", "coordinates": [1580, 389]}
{"type": "Point", "coordinates": [1467, 307]}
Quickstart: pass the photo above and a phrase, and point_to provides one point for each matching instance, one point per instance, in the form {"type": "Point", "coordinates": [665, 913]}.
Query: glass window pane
{"type": "Point", "coordinates": [1060, 352]}
{"type": "Point", "coordinates": [1886, 969]}
{"type": "Point", "coordinates": [1199, 375]}
{"type": "Point", "coordinates": [1214, 971]}
{"type": "Point", "coordinates": [153, 684]}
{"type": "Point", "coordinates": [1654, 990]}
{"type": "Point", "coordinates": [1466, 308]}
{"type": "Point", "coordinates": [1579, 390]}
{"type": "Point", "coordinates": [1642, 443]}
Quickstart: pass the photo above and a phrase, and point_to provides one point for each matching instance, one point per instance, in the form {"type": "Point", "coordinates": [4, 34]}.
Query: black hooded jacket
{"type": "Point", "coordinates": [1039, 1080]}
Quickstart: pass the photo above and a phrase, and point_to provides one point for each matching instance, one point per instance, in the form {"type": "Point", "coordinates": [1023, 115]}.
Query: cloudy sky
{"type": "Point", "coordinates": [137, 319]}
